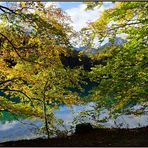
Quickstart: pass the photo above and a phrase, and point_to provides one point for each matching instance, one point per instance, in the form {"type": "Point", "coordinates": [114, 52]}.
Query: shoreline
{"type": "Point", "coordinates": [95, 137]}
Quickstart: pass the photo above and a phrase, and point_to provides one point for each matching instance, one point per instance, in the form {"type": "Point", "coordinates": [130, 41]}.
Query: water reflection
{"type": "Point", "coordinates": [15, 130]}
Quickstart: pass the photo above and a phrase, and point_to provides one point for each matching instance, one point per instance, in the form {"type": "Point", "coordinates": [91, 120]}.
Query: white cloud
{"type": "Point", "coordinates": [7, 125]}
{"type": "Point", "coordinates": [48, 4]}
{"type": "Point", "coordinates": [122, 35]}
{"type": "Point", "coordinates": [80, 17]}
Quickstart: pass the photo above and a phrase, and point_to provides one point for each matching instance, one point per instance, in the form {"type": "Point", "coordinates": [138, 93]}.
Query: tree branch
{"type": "Point", "coordinates": [15, 49]}
{"type": "Point", "coordinates": [116, 27]}
{"type": "Point", "coordinates": [11, 44]}
{"type": "Point", "coordinates": [6, 8]}
{"type": "Point", "coordinates": [21, 93]}
{"type": "Point", "coordinates": [3, 82]}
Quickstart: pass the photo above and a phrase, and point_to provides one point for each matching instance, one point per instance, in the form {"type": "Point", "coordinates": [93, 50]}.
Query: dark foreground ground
{"type": "Point", "coordinates": [95, 137]}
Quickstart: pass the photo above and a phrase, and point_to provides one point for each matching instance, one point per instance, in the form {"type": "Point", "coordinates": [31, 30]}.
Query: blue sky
{"type": "Point", "coordinates": [76, 10]}
{"type": "Point", "coordinates": [80, 17]}
{"type": "Point", "coordinates": [68, 5]}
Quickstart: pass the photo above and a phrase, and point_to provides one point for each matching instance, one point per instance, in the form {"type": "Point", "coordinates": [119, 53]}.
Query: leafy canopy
{"type": "Point", "coordinates": [122, 81]}
{"type": "Point", "coordinates": [33, 38]}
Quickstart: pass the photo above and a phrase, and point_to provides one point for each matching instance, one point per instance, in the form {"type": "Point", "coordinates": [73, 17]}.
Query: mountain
{"type": "Point", "coordinates": [117, 41]}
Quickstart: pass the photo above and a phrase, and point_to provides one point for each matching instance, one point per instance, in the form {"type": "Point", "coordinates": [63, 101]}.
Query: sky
{"type": "Point", "coordinates": [80, 17]}
{"type": "Point", "coordinates": [76, 10]}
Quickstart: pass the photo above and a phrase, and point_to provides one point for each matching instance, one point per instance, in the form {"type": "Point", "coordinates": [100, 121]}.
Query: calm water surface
{"type": "Point", "coordinates": [12, 129]}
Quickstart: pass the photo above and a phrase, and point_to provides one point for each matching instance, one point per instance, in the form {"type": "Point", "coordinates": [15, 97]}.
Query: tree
{"type": "Point", "coordinates": [32, 41]}
{"type": "Point", "coordinates": [122, 81]}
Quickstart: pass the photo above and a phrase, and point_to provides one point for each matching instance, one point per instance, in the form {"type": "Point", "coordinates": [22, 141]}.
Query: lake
{"type": "Point", "coordinates": [12, 129]}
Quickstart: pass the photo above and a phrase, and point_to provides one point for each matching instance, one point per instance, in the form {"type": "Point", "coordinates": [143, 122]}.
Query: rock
{"type": "Point", "coordinates": [83, 128]}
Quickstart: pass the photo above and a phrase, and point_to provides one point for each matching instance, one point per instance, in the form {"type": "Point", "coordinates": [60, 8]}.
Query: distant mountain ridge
{"type": "Point", "coordinates": [117, 41]}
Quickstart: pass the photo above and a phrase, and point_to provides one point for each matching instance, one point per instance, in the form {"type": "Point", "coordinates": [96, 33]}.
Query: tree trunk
{"type": "Point", "coordinates": [45, 118]}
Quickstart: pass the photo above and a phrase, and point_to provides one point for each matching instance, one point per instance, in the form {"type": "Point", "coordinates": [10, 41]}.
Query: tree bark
{"type": "Point", "coordinates": [45, 118]}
